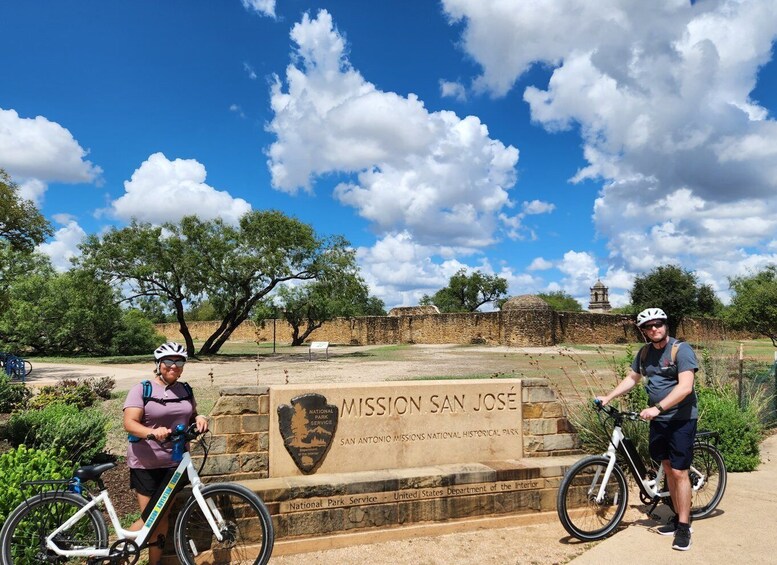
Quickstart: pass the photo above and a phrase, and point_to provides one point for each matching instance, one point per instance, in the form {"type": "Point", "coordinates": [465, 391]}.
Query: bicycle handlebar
{"type": "Point", "coordinates": [189, 434]}
{"type": "Point", "coordinates": [614, 412]}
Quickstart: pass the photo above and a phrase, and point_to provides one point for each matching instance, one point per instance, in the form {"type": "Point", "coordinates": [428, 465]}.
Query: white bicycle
{"type": "Point", "coordinates": [219, 523]}
{"type": "Point", "coordinates": [593, 494]}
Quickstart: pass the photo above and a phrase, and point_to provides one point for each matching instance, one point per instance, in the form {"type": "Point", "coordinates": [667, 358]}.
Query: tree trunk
{"type": "Point", "coordinates": [183, 327]}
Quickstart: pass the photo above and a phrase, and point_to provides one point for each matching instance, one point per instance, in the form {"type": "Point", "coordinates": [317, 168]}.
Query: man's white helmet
{"type": "Point", "coordinates": [650, 314]}
{"type": "Point", "coordinates": [170, 349]}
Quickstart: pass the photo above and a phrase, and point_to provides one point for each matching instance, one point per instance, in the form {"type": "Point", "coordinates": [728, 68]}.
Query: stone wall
{"type": "Point", "coordinates": [517, 327]}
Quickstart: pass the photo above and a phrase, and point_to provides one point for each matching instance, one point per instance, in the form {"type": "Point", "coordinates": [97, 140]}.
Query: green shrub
{"type": "Point", "coordinates": [135, 334]}
{"type": "Point", "coordinates": [24, 464]}
{"type": "Point", "coordinates": [82, 433]}
{"type": "Point", "coordinates": [13, 396]}
{"type": "Point", "coordinates": [740, 429]}
{"type": "Point", "coordinates": [67, 391]}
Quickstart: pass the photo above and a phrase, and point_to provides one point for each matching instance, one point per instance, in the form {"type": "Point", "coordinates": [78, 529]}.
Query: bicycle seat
{"type": "Point", "coordinates": [90, 472]}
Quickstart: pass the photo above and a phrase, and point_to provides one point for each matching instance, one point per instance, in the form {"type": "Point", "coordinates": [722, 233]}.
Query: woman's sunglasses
{"type": "Point", "coordinates": [169, 363]}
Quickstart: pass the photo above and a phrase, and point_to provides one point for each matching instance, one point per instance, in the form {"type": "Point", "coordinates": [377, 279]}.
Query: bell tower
{"type": "Point", "coordinates": [600, 301]}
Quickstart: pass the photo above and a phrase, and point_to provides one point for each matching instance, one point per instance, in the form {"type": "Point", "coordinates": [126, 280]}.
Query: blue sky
{"type": "Point", "coordinates": [552, 142]}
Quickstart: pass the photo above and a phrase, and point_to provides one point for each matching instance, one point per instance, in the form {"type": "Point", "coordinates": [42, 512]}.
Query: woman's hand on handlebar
{"type": "Point", "coordinates": [160, 434]}
{"type": "Point", "coordinates": [201, 424]}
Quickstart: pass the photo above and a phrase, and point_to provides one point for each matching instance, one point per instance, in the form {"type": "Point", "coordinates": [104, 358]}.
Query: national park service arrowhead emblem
{"type": "Point", "coordinates": [308, 427]}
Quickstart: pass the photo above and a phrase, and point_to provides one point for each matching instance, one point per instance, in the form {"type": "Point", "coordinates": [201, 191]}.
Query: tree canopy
{"type": "Point", "coordinates": [560, 301]}
{"type": "Point", "coordinates": [21, 224]}
{"type": "Point", "coordinates": [339, 293]}
{"type": "Point", "coordinates": [467, 293]}
{"type": "Point", "coordinates": [233, 267]}
{"type": "Point", "coordinates": [677, 292]}
{"type": "Point", "coordinates": [754, 303]}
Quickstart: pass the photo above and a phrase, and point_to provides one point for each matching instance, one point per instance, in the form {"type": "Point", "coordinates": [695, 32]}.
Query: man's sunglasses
{"type": "Point", "coordinates": [169, 363]}
{"type": "Point", "coordinates": [653, 326]}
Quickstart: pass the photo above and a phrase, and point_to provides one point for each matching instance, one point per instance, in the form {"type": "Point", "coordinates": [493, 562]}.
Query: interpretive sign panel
{"type": "Point", "coordinates": [345, 428]}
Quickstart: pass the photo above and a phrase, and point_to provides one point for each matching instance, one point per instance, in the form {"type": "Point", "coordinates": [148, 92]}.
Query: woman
{"type": "Point", "coordinates": [152, 410]}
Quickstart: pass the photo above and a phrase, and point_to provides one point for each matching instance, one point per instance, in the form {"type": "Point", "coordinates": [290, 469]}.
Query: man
{"type": "Point", "coordinates": [672, 413]}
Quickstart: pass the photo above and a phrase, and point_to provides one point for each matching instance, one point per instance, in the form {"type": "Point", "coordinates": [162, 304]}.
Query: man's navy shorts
{"type": "Point", "coordinates": [673, 440]}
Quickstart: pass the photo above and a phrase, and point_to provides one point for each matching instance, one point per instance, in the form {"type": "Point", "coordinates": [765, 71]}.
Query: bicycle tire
{"type": "Point", "coordinates": [247, 527]}
{"type": "Point", "coordinates": [581, 516]}
{"type": "Point", "coordinates": [27, 367]}
{"type": "Point", "coordinates": [22, 539]}
{"type": "Point", "coordinates": [709, 470]}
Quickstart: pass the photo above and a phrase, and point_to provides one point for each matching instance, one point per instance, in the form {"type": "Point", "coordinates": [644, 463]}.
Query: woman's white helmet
{"type": "Point", "coordinates": [170, 349]}
{"type": "Point", "coordinates": [650, 314]}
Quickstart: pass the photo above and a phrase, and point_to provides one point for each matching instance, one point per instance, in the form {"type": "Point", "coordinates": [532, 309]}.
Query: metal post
{"type": "Point", "coordinates": [275, 315]}
{"type": "Point", "coordinates": [741, 370]}
{"type": "Point", "coordinates": [775, 383]}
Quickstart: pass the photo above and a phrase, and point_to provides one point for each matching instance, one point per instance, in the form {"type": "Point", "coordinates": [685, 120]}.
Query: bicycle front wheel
{"type": "Point", "coordinates": [23, 538]}
{"type": "Point", "coordinates": [580, 513]}
{"type": "Point", "coordinates": [244, 523]}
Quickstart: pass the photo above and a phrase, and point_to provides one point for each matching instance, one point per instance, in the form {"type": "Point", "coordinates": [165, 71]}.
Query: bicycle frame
{"type": "Point", "coordinates": [140, 536]}
{"type": "Point", "coordinates": [647, 485]}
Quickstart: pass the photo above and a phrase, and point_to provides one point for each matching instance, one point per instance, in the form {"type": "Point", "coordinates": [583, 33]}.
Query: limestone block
{"type": "Point", "coordinates": [242, 443]}
{"type": "Point", "coordinates": [243, 390]}
{"type": "Point", "coordinates": [233, 405]}
{"type": "Point", "coordinates": [552, 410]}
{"type": "Point", "coordinates": [221, 465]}
{"type": "Point", "coordinates": [560, 441]}
{"type": "Point", "coordinates": [371, 516]}
{"type": "Point", "coordinates": [264, 404]}
{"type": "Point", "coordinates": [253, 462]}
{"type": "Point", "coordinates": [540, 427]}
{"type": "Point", "coordinates": [251, 423]}
{"type": "Point", "coordinates": [226, 425]}
{"type": "Point", "coordinates": [534, 410]}
{"type": "Point", "coordinates": [415, 511]}
{"type": "Point", "coordinates": [264, 441]}
{"type": "Point", "coordinates": [538, 394]}
{"type": "Point", "coordinates": [547, 498]}
{"type": "Point", "coordinates": [218, 445]}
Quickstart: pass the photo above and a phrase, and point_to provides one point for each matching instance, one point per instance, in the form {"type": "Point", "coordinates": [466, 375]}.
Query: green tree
{"type": "Point", "coordinates": [754, 303]}
{"type": "Point", "coordinates": [339, 292]}
{"type": "Point", "coordinates": [70, 313]}
{"type": "Point", "coordinates": [676, 291]}
{"type": "Point", "coordinates": [560, 301]}
{"type": "Point", "coordinates": [21, 224]}
{"type": "Point", "coordinates": [467, 293]}
{"type": "Point", "coordinates": [234, 267]}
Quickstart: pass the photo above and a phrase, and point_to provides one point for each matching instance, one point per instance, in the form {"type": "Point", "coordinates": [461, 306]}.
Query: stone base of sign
{"type": "Point", "coordinates": [332, 504]}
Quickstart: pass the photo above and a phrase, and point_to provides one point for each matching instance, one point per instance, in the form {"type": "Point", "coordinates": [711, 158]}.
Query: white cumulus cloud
{"type": "Point", "coordinates": [37, 151]}
{"type": "Point", "coordinates": [261, 7]}
{"type": "Point", "coordinates": [64, 245]}
{"type": "Point", "coordinates": [161, 191]}
{"type": "Point", "coordinates": [661, 95]}
{"type": "Point", "coordinates": [439, 177]}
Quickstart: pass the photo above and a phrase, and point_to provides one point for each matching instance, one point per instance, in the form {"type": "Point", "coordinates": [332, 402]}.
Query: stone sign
{"type": "Point", "coordinates": [393, 425]}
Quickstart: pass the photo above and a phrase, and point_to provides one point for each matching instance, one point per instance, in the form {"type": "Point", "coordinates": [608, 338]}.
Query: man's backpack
{"type": "Point", "coordinates": [147, 397]}
{"type": "Point", "coordinates": [644, 351]}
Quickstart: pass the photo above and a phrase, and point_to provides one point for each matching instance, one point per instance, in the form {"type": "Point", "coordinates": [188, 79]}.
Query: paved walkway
{"type": "Point", "coordinates": [742, 530]}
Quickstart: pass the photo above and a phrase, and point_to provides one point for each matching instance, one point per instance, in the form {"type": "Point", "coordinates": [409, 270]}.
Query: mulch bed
{"type": "Point", "coordinates": [117, 482]}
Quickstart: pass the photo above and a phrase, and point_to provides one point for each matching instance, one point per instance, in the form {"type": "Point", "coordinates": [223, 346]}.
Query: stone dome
{"type": "Point", "coordinates": [598, 284]}
{"type": "Point", "coordinates": [526, 302]}
{"type": "Point", "coordinates": [414, 310]}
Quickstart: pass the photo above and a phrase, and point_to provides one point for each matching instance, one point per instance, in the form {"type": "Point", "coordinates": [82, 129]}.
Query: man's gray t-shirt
{"type": "Point", "coordinates": [662, 378]}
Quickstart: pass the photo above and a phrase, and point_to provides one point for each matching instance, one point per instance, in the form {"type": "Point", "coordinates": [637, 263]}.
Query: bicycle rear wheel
{"type": "Point", "coordinates": [580, 514]}
{"type": "Point", "coordinates": [23, 537]}
{"type": "Point", "coordinates": [246, 527]}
